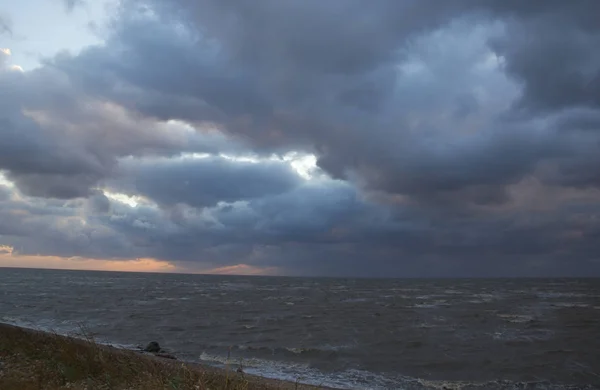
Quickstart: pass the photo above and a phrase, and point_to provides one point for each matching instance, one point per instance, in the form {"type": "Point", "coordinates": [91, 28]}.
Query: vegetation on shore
{"type": "Point", "coordinates": [32, 360]}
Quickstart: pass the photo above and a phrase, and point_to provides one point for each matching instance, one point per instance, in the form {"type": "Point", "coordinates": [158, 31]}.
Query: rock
{"type": "Point", "coordinates": [240, 370]}
{"type": "Point", "coordinates": [152, 347]}
{"type": "Point", "coordinates": [165, 355]}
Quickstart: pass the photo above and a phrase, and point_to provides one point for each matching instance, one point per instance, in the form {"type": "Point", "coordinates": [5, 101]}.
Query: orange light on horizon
{"type": "Point", "coordinates": [242, 269]}
{"type": "Point", "coordinates": [8, 258]}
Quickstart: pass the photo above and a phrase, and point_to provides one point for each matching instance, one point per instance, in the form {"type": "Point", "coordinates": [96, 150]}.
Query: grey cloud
{"type": "Point", "coordinates": [332, 245]}
{"type": "Point", "coordinates": [40, 162]}
{"type": "Point", "coordinates": [548, 47]}
{"type": "Point", "coordinates": [558, 68]}
{"type": "Point", "coordinates": [321, 212]}
{"type": "Point", "coordinates": [5, 24]}
{"type": "Point", "coordinates": [35, 226]}
{"type": "Point", "coordinates": [315, 229]}
{"type": "Point", "coordinates": [315, 215]}
{"type": "Point", "coordinates": [356, 115]}
{"type": "Point", "coordinates": [251, 83]}
{"type": "Point", "coordinates": [337, 36]}
{"type": "Point", "coordinates": [326, 229]}
{"type": "Point", "coordinates": [318, 77]}
{"type": "Point", "coordinates": [97, 203]}
{"type": "Point", "coordinates": [59, 142]}
{"type": "Point", "coordinates": [577, 129]}
{"type": "Point", "coordinates": [431, 116]}
{"type": "Point", "coordinates": [63, 186]}
{"type": "Point", "coordinates": [164, 62]}
{"type": "Point", "coordinates": [5, 193]}
{"type": "Point", "coordinates": [201, 182]}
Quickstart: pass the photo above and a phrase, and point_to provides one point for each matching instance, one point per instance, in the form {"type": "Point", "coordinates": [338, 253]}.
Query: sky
{"type": "Point", "coordinates": [380, 138]}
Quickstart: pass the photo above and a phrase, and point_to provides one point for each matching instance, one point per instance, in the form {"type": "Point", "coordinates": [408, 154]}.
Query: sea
{"type": "Point", "coordinates": [341, 333]}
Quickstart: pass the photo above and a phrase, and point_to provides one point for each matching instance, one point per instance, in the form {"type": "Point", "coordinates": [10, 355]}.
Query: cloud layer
{"type": "Point", "coordinates": [395, 138]}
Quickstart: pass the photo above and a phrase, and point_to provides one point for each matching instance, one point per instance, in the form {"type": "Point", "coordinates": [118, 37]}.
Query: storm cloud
{"type": "Point", "coordinates": [388, 138]}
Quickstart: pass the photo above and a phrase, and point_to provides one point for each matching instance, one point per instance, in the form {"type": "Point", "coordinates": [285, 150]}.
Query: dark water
{"type": "Point", "coordinates": [396, 334]}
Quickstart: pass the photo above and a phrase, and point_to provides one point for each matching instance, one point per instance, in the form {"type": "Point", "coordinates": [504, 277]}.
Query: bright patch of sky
{"type": "Point", "coordinates": [5, 182]}
{"type": "Point", "coordinates": [304, 164]}
{"type": "Point", "coordinates": [43, 28]}
{"type": "Point", "coordinates": [131, 201]}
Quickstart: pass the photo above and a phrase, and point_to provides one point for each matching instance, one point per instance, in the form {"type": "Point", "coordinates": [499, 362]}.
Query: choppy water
{"type": "Point", "coordinates": [372, 334]}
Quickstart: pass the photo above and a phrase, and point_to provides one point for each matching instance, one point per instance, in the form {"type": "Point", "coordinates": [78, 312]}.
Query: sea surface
{"type": "Point", "coordinates": [347, 333]}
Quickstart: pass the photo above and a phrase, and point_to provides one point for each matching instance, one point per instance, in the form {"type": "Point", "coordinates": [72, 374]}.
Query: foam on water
{"type": "Point", "coordinates": [364, 380]}
{"type": "Point", "coordinates": [571, 304]}
{"type": "Point", "coordinates": [44, 325]}
{"type": "Point", "coordinates": [64, 329]}
{"type": "Point", "coordinates": [553, 295]}
{"type": "Point", "coordinates": [355, 300]}
{"type": "Point", "coordinates": [172, 298]}
{"type": "Point", "coordinates": [516, 318]}
{"type": "Point", "coordinates": [302, 373]}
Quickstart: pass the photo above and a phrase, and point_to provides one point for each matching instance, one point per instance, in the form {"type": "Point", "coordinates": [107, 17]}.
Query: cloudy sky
{"type": "Point", "coordinates": [301, 137]}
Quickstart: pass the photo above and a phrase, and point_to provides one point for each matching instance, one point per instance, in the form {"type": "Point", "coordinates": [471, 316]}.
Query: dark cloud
{"type": "Point", "coordinates": [59, 142]}
{"type": "Point", "coordinates": [272, 66]}
{"type": "Point", "coordinates": [97, 203]}
{"type": "Point", "coordinates": [316, 229]}
{"type": "Point", "coordinates": [37, 226]}
{"type": "Point", "coordinates": [549, 48]}
{"type": "Point", "coordinates": [205, 181]}
{"type": "Point", "coordinates": [460, 138]}
{"type": "Point", "coordinates": [375, 99]}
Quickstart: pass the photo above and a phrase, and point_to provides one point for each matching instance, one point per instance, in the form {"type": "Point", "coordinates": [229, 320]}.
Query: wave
{"type": "Point", "coordinates": [67, 328]}
{"type": "Point", "coordinates": [516, 318]}
{"type": "Point", "coordinates": [553, 295]}
{"type": "Point", "coordinates": [303, 373]}
{"type": "Point", "coordinates": [430, 305]}
{"type": "Point", "coordinates": [248, 327]}
{"type": "Point", "coordinates": [363, 380]}
{"type": "Point", "coordinates": [324, 352]}
{"type": "Point", "coordinates": [571, 304]}
{"type": "Point", "coordinates": [498, 385]}
{"type": "Point", "coordinates": [64, 329]}
{"type": "Point", "coordinates": [355, 300]}
{"type": "Point", "coordinates": [513, 336]}
{"type": "Point", "coordinates": [424, 306]}
{"type": "Point", "coordinates": [172, 299]}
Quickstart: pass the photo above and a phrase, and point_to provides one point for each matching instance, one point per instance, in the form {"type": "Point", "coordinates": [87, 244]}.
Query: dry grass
{"type": "Point", "coordinates": [32, 360]}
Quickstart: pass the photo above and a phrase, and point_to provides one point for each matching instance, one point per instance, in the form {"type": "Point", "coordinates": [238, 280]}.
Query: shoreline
{"type": "Point", "coordinates": [34, 359]}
